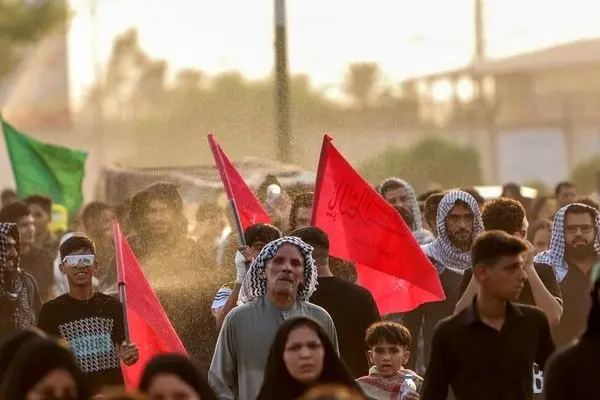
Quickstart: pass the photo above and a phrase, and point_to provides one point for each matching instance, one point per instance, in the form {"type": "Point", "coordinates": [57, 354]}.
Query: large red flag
{"type": "Point", "coordinates": [249, 208]}
{"type": "Point", "coordinates": [365, 229]}
{"type": "Point", "coordinates": [149, 326]}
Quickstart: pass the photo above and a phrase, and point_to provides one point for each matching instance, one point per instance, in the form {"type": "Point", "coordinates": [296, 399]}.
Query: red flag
{"type": "Point", "coordinates": [149, 326]}
{"type": "Point", "coordinates": [365, 229]}
{"type": "Point", "coordinates": [249, 208]}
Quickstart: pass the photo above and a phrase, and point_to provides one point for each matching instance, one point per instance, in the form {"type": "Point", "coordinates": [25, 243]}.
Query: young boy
{"type": "Point", "coordinates": [387, 343]}
{"type": "Point", "coordinates": [90, 322]}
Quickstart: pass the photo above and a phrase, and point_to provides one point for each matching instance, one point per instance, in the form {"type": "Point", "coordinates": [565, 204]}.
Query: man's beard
{"type": "Point", "coordinates": [460, 243]}
{"type": "Point", "coordinates": [579, 252]}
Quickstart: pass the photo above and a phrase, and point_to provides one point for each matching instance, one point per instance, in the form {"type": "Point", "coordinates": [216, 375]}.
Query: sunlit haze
{"type": "Point", "coordinates": [405, 37]}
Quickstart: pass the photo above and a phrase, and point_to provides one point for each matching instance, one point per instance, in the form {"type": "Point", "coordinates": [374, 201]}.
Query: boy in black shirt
{"type": "Point", "coordinates": [91, 323]}
{"type": "Point", "coordinates": [486, 351]}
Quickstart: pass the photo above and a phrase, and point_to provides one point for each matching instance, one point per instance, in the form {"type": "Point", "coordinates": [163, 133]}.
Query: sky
{"type": "Point", "coordinates": [406, 37]}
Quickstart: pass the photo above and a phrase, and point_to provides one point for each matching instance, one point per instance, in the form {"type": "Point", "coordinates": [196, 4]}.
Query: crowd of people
{"type": "Point", "coordinates": [280, 318]}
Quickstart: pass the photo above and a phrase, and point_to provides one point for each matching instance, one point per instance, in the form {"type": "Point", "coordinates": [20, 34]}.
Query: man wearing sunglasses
{"type": "Point", "coordinates": [90, 322]}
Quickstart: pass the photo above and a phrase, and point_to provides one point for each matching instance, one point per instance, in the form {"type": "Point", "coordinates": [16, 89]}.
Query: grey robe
{"type": "Point", "coordinates": [238, 364]}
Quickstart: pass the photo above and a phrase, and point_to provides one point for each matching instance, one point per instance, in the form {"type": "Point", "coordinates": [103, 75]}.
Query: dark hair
{"type": "Point", "coordinates": [490, 246]}
{"type": "Point", "coordinates": [94, 210]}
{"type": "Point", "coordinates": [34, 361]}
{"type": "Point", "coordinates": [432, 203]}
{"type": "Point", "coordinates": [476, 195]}
{"type": "Point", "coordinates": [162, 191]}
{"type": "Point", "coordinates": [389, 184]}
{"type": "Point", "coordinates": [75, 243]}
{"type": "Point", "coordinates": [181, 366]}
{"type": "Point", "coordinates": [577, 208]}
{"type": "Point", "coordinates": [6, 193]}
{"type": "Point", "coordinates": [503, 214]}
{"type": "Point", "coordinates": [538, 204]}
{"type": "Point", "coordinates": [406, 215]}
{"type": "Point", "coordinates": [14, 212]}
{"type": "Point", "coordinates": [303, 200]}
{"type": "Point", "coordinates": [425, 195]}
{"type": "Point", "coordinates": [563, 185]}
{"type": "Point", "coordinates": [387, 331]}
{"type": "Point", "coordinates": [264, 233]}
{"type": "Point", "coordinates": [536, 226]}
{"type": "Point", "coordinates": [589, 202]}
{"type": "Point", "coordinates": [314, 236]}
{"type": "Point", "coordinates": [277, 376]}
{"type": "Point", "coordinates": [43, 201]}
{"type": "Point", "coordinates": [11, 344]}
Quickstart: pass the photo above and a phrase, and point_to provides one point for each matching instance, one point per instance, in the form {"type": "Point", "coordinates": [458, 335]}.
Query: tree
{"type": "Point", "coordinates": [23, 23]}
{"type": "Point", "coordinates": [431, 160]}
{"type": "Point", "coordinates": [584, 175]}
{"type": "Point", "coordinates": [361, 83]}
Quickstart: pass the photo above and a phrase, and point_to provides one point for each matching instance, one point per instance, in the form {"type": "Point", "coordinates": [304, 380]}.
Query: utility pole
{"type": "Point", "coordinates": [98, 112]}
{"type": "Point", "coordinates": [282, 87]}
{"type": "Point", "coordinates": [485, 113]}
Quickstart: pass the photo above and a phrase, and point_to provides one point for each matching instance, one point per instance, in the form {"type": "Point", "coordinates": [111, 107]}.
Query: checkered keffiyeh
{"type": "Point", "coordinates": [555, 255]}
{"type": "Point", "coordinates": [15, 291]}
{"type": "Point", "coordinates": [255, 282]}
{"type": "Point", "coordinates": [422, 236]}
{"type": "Point", "coordinates": [441, 249]}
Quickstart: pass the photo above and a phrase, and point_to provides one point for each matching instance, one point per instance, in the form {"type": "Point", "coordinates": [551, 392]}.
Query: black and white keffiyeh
{"type": "Point", "coordinates": [441, 249]}
{"type": "Point", "coordinates": [555, 255]}
{"type": "Point", "coordinates": [255, 282]}
{"type": "Point", "coordinates": [14, 289]}
{"type": "Point", "coordinates": [422, 236]}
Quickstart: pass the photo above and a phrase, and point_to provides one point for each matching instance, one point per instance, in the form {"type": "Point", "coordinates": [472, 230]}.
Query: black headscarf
{"type": "Point", "coordinates": [278, 384]}
{"type": "Point", "coordinates": [593, 328]}
{"type": "Point", "coordinates": [11, 344]}
{"type": "Point", "coordinates": [33, 362]}
{"type": "Point", "coordinates": [180, 366]}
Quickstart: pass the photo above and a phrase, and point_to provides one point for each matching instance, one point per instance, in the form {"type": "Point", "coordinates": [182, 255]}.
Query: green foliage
{"type": "Point", "coordinates": [361, 83]}
{"type": "Point", "coordinates": [584, 175]}
{"type": "Point", "coordinates": [430, 160]}
{"type": "Point", "coordinates": [23, 23]}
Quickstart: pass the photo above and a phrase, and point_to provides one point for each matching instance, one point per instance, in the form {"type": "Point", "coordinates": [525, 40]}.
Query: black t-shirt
{"type": "Point", "coordinates": [575, 288]}
{"type": "Point", "coordinates": [544, 271]}
{"type": "Point", "coordinates": [353, 310]}
{"type": "Point", "coordinates": [92, 328]}
{"type": "Point", "coordinates": [426, 317]}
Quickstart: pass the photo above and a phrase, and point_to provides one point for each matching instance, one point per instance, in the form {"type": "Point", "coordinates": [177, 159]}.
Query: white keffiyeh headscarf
{"type": "Point", "coordinates": [422, 236]}
{"type": "Point", "coordinates": [255, 282]}
{"type": "Point", "coordinates": [555, 255]}
{"type": "Point", "coordinates": [441, 249]}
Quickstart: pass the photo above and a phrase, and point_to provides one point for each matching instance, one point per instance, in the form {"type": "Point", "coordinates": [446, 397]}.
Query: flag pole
{"type": "Point", "coordinates": [216, 152]}
{"type": "Point", "coordinates": [121, 286]}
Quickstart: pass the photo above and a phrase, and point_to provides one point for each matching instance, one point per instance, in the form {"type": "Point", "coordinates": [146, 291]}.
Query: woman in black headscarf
{"type": "Point", "coordinates": [12, 344]}
{"type": "Point", "coordinates": [174, 376]}
{"type": "Point", "coordinates": [44, 369]}
{"type": "Point", "coordinates": [301, 357]}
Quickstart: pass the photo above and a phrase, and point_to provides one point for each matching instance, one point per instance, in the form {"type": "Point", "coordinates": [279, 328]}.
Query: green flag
{"type": "Point", "coordinates": [41, 168]}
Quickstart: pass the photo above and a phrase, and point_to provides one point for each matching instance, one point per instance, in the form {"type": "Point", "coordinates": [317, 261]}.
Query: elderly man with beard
{"type": "Point", "coordinates": [574, 249]}
{"type": "Point", "coordinates": [277, 287]}
{"type": "Point", "coordinates": [458, 223]}
{"type": "Point", "coordinates": [20, 301]}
